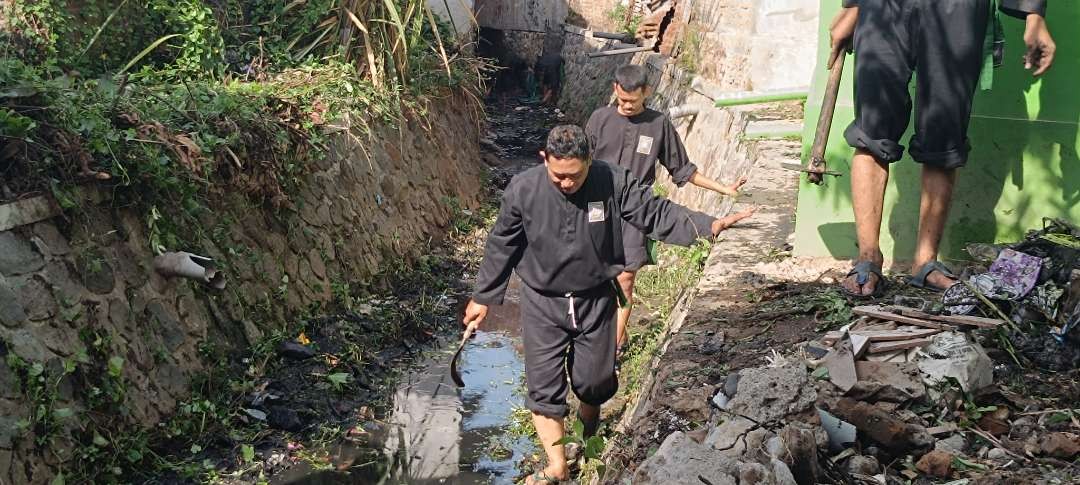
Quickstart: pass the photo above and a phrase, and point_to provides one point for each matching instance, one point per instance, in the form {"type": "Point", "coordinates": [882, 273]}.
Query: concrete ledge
{"type": "Point", "coordinates": [27, 211]}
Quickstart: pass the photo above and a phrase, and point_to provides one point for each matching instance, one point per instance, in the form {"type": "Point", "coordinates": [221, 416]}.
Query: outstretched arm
{"type": "Point", "coordinates": [704, 182]}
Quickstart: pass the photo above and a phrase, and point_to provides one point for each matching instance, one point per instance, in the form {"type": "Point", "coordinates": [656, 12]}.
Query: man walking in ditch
{"type": "Point", "coordinates": [635, 137]}
{"type": "Point", "coordinates": [560, 228]}
{"type": "Point", "coordinates": [948, 44]}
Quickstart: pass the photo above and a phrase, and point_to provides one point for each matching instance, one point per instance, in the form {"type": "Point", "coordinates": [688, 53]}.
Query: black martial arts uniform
{"type": "Point", "coordinates": [944, 43]}
{"type": "Point", "coordinates": [567, 249]}
{"type": "Point", "coordinates": [636, 143]}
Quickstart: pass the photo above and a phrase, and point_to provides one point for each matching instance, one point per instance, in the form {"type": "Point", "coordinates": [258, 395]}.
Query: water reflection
{"type": "Point", "coordinates": [439, 434]}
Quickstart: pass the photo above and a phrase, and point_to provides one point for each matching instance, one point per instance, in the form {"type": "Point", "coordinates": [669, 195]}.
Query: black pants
{"type": "Point", "coordinates": [941, 41]}
{"type": "Point", "coordinates": [557, 342]}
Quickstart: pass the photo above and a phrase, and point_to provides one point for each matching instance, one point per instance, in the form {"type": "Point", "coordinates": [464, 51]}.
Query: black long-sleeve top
{"type": "Point", "coordinates": [1015, 8]}
{"type": "Point", "coordinates": [637, 142]}
{"type": "Point", "coordinates": [560, 243]}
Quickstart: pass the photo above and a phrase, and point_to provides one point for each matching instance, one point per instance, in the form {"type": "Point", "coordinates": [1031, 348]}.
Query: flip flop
{"type": "Point", "coordinates": [919, 279]}
{"type": "Point", "coordinates": [862, 271]}
{"type": "Point", "coordinates": [542, 478]}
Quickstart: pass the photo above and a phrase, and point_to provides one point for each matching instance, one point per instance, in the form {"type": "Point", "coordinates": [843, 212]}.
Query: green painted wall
{"type": "Point", "coordinates": [1023, 165]}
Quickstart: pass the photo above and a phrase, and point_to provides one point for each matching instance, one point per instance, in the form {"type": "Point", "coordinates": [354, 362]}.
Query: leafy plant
{"type": "Point", "coordinates": [592, 448]}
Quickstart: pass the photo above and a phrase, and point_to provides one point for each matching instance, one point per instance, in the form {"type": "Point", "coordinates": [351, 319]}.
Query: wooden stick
{"type": "Point", "coordinates": [980, 322]}
{"type": "Point", "coordinates": [878, 312]}
{"type": "Point", "coordinates": [905, 344]}
{"type": "Point", "coordinates": [988, 303]}
{"type": "Point", "coordinates": [997, 443]}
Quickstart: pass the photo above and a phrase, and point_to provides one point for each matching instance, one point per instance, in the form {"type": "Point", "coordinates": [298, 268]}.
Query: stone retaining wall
{"type": "Point", "coordinates": [372, 203]}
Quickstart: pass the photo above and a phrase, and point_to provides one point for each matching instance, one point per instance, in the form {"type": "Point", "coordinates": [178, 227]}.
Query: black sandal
{"type": "Point", "coordinates": [919, 279]}
{"type": "Point", "coordinates": [862, 271]}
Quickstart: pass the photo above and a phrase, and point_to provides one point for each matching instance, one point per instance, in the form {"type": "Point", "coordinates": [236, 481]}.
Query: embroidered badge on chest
{"type": "Point", "coordinates": [644, 145]}
{"type": "Point", "coordinates": [596, 212]}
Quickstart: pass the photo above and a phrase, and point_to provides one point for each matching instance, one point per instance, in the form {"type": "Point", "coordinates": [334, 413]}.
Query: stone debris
{"type": "Point", "coordinates": [771, 393]}
{"type": "Point", "coordinates": [682, 460]}
{"type": "Point", "coordinates": [883, 427]}
{"type": "Point", "coordinates": [937, 463]}
{"type": "Point", "coordinates": [1065, 446]}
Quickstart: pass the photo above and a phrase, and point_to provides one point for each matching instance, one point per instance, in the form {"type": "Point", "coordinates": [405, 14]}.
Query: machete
{"type": "Point", "coordinates": [455, 373]}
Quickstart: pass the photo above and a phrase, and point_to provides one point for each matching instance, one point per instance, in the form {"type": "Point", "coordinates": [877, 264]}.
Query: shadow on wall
{"type": "Point", "coordinates": [1023, 164]}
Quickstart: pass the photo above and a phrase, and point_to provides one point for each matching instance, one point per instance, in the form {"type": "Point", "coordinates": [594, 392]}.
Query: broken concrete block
{"type": "Point", "coordinates": [863, 465]}
{"type": "Point", "coordinates": [882, 427]}
{"type": "Point", "coordinates": [796, 446]}
{"type": "Point", "coordinates": [952, 354]}
{"type": "Point", "coordinates": [886, 381]}
{"type": "Point", "coordinates": [770, 393]}
{"type": "Point", "coordinates": [680, 460]}
{"type": "Point", "coordinates": [937, 464]}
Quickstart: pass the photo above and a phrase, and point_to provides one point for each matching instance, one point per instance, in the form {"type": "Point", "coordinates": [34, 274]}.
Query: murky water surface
{"type": "Point", "coordinates": [438, 433]}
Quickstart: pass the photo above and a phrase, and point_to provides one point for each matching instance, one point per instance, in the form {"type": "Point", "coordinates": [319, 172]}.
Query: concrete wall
{"type": "Point", "coordinates": [459, 14]}
{"type": "Point", "coordinates": [1024, 164]}
{"type": "Point", "coordinates": [92, 272]}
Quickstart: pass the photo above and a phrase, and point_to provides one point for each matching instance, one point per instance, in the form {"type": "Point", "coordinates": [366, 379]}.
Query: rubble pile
{"type": "Point", "coordinates": [906, 393]}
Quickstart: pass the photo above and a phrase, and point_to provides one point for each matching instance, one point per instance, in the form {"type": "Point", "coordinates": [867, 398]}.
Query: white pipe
{"type": "Point", "coordinates": [683, 110]}
{"type": "Point", "coordinates": [191, 266]}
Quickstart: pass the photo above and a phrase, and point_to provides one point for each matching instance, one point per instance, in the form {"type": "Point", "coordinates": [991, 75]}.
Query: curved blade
{"type": "Point", "coordinates": [455, 373]}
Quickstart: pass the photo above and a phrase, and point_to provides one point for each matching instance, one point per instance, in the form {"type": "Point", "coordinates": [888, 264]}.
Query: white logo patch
{"type": "Point", "coordinates": [644, 144]}
{"type": "Point", "coordinates": [596, 212]}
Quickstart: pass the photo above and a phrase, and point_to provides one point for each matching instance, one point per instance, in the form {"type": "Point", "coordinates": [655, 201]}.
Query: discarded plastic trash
{"type": "Point", "coordinates": [951, 354]}
{"type": "Point", "coordinates": [191, 266]}
{"type": "Point", "coordinates": [1012, 276]}
{"type": "Point", "coordinates": [841, 433]}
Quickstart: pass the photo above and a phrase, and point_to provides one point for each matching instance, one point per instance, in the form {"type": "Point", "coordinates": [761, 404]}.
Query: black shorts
{"type": "Point", "coordinates": [941, 41]}
{"type": "Point", "coordinates": [557, 342]}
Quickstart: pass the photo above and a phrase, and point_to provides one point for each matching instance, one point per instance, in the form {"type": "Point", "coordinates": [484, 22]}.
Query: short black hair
{"type": "Point", "coordinates": [632, 77]}
{"type": "Point", "coordinates": [567, 141]}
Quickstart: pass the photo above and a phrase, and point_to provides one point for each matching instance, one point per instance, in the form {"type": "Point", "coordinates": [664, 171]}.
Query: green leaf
{"type": "Point", "coordinates": [116, 365]}
{"type": "Point", "coordinates": [965, 464]}
{"type": "Point", "coordinates": [565, 440]}
{"type": "Point", "coordinates": [594, 447]}
{"type": "Point", "coordinates": [138, 57]}
{"type": "Point", "coordinates": [248, 452]}
{"type": "Point", "coordinates": [195, 449]}
{"type": "Point", "coordinates": [578, 429]}
{"type": "Point", "coordinates": [100, 440]}
{"type": "Point", "coordinates": [63, 413]}
{"type": "Point", "coordinates": [35, 370]}
{"type": "Point", "coordinates": [1057, 418]}
{"type": "Point", "coordinates": [821, 373]}
{"type": "Point", "coordinates": [338, 379]}
{"type": "Point", "coordinates": [58, 480]}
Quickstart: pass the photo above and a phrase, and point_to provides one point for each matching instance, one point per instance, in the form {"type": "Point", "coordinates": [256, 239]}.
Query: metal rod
{"type": "Point", "coordinates": [615, 52]}
{"type": "Point", "coordinates": [765, 96]}
{"type": "Point", "coordinates": [616, 36]}
{"type": "Point", "coordinates": [821, 135]}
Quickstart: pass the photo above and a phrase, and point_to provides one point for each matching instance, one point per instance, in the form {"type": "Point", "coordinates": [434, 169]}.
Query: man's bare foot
{"type": "Point", "coordinates": [936, 279]}
{"type": "Point", "coordinates": [851, 282]}
{"type": "Point", "coordinates": [551, 475]}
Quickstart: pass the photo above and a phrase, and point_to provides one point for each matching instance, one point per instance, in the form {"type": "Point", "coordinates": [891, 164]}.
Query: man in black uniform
{"type": "Point", "coordinates": [635, 137]}
{"type": "Point", "coordinates": [560, 228]}
{"type": "Point", "coordinates": [949, 44]}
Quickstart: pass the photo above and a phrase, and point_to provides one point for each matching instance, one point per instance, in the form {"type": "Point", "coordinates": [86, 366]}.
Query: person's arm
{"type": "Point", "coordinates": [673, 155]}
{"type": "Point", "coordinates": [704, 182]}
{"type": "Point", "coordinates": [664, 220]}
{"type": "Point", "coordinates": [842, 30]}
{"type": "Point", "coordinates": [503, 250]}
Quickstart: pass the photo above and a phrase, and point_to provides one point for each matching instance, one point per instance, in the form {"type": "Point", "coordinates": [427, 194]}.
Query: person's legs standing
{"type": "Point", "coordinates": [546, 344]}
{"type": "Point", "coordinates": [949, 49]}
{"type": "Point", "coordinates": [592, 357]}
{"type": "Point", "coordinates": [636, 256]}
{"type": "Point", "coordinates": [883, 66]}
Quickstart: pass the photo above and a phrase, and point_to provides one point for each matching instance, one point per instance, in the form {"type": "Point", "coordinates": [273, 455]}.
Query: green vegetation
{"type": "Point", "coordinates": [624, 21]}
{"type": "Point", "coordinates": [172, 107]}
{"type": "Point", "coordinates": [689, 58]}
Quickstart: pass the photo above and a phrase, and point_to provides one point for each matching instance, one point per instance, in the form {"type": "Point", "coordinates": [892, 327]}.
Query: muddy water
{"type": "Point", "coordinates": [438, 433]}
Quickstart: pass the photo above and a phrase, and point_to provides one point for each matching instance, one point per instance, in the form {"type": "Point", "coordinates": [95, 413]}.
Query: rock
{"type": "Point", "coordinates": [284, 419]}
{"type": "Point", "coordinates": [997, 454]}
{"type": "Point", "coordinates": [798, 451]}
{"type": "Point", "coordinates": [295, 351]}
{"type": "Point", "coordinates": [886, 381]}
{"type": "Point", "coordinates": [728, 438]}
{"type": "Point", "coordinates": [17, 256]}
{"type": "Point", "coordinates": [12, 313]}
{"type": "Point", "coordinates": [770, 393]}
{"type": "Point", "coordinates": [680, 460]}
{"type": "Point", "coordinates": [937, 463]}
{"type": "Point", "coordinates": [1060, 445]}
{"type": "Point", "coordinates": [881, 426]}
{"type": "Point", "coordinates": [96, 273]}
{"type": "Point", "coordinates": [954, 444]}
{"type": "Point", "coordinates": [49, 240]}
{"type": "Point", "coordinates": [863, 465]}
